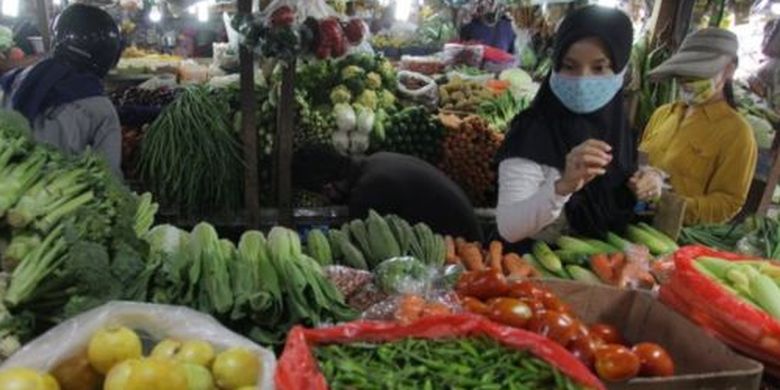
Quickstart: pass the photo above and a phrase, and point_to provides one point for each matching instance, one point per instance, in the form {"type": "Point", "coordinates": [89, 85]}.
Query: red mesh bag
{"type": "Point", "coordinates": [298, 369]}
{"type": "Point", "coordinates": [747, 329]}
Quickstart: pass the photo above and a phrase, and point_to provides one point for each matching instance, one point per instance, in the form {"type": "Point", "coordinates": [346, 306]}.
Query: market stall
{"type": "Point", "coordinates": [218, 273]}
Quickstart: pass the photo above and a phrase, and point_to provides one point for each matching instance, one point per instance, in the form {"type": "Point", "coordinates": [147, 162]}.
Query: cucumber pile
{"type": "Point", "coordinates": [415, 132]}
{"type": "Point", "coordinates": [364, 244]}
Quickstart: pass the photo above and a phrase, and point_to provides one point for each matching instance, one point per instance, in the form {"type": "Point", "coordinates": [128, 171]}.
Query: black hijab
{"type": "Point", "coordinates": [547, 130]}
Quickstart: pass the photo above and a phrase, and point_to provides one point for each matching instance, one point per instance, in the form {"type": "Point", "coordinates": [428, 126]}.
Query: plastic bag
{"type": "Point", "coordinates": [747, 329]}
{"type": "Point", "coordinates": [428, 65]}
{"type": "Point", "coordinates": [298, 369]}
{"type": "Point", "coordinates": [317, 9]}
{"type": "Point", "coordinates": [427, 94]}
{"type": "Point", "coordinates": [414, 291]}
{"type": "Point", "coordinates": [156, 321]}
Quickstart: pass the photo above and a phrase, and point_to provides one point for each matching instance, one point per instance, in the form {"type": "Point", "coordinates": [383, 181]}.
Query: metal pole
{"type": "Point", "coordinates": [248, 128]}
{"type": "Point", "coordinates": [44, 10]}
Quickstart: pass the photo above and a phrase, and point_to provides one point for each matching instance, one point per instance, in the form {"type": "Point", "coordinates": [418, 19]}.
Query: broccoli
{"type": "Point", "coordinates": [367, 99]}
{"type": "Point", "coordinates": [374, 81]}
{"type": "Point", "coordinates": [340, 94]}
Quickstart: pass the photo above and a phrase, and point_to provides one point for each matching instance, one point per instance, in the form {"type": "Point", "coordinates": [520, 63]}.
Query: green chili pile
{"type": "Point", "coordinates": [477, 363]}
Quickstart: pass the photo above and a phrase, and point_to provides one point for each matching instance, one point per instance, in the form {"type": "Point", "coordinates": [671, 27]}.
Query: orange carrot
{"type": "Point", "coordinates": [451, 255]}
{"type": "Point", "coordinates": [495, 255]}
{"type": "Point", "coordinates": [472, 258]}
{"type": "Point", "coordinates": [460, 244]}
{"type": "Point", "coordinates": [516, 267]}
{"type": "Point", "coordinates": [409, 309]}
{"type": "Point", "coordinates": [601, 265]}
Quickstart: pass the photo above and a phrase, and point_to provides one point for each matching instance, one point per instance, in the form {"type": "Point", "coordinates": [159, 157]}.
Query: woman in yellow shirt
{"type": "Point", "coordinates": [702, 143]}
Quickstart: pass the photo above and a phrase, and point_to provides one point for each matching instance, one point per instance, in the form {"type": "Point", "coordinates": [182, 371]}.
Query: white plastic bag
{"type": "Point", "coordinates": [157, 321]}
{"type": "Point", "coordinates": [428, 94]}
{"type": "Point", "coordinates": [317, 9]}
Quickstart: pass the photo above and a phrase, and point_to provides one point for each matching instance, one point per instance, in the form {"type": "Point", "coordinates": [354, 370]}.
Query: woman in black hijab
{"type": "Point", "coordinates": [571, 153]}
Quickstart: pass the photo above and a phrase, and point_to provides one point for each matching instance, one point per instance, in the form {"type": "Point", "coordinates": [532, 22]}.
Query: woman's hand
{"type": "Point", "coordinates": [646, 184]}
{"type": "Point", "coordinates": [583, 164]}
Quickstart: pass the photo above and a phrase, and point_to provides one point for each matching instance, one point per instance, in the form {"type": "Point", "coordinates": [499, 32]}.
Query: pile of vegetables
{"type": "Point", "coordinates": [113, 359]}
{"type": "Point", "coordinates": [463, 95]}
{"type": "Point", "coordinates": [360, 94]}
{"type": "Point", "coordinates": [754, 283]}
{"type": "Point", "coordinates": [618, 261]}
{"type": "Point", "coordinates": [365, 244]}
{"type": "Point", "coordinates": [315, 126]}
{"type": "Point", "coordinates": [469, 149]}
{"type": "Point", "coordinates": [428, 364]}
{"type": "Point", "coordinates": [500, 111]}
{"type": "Point", "coordinates": [525, 305]}
{"type": "Point", "coordinates": [414, 131]}
{"type": "Point", "coordinates": [756, 236]}
{"type": "Point", "coordinates": [261, 287]}
{"type": "Point", "coordinates": [68, 233]}
{"type": "Point", "coordinates": [191, 155]}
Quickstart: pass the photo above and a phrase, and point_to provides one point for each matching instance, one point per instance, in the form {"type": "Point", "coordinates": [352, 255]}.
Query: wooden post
{"type": "Point", "coordinates": [44, 10]}
{"type": "Point", "coordinates": [248, 128]}
{"type": "Point", "coordinates": [285, 122]}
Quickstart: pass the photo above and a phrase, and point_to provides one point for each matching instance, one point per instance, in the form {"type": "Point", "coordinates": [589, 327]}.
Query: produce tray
{"type": "Point", "coordinates": [702, 362]}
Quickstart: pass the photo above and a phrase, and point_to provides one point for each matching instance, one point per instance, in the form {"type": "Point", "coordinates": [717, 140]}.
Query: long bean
{"type": "Point", "coordinates": [436, 364]}
{"type": "Point", "coordinates": [190, 155]}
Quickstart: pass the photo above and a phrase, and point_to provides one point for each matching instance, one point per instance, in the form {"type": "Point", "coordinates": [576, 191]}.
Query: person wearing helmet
{"type": "Point", "coordinates": [62, 95]}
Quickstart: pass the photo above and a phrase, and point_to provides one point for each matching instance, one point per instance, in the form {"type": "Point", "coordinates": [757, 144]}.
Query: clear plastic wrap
{"type": "Point", "coordinates": [152, 320]}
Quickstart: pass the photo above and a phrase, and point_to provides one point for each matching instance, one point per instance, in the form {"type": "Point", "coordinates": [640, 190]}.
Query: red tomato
{"type": "Point", "coordinates": [616, 363]}
{"type": "Point", "coordinates": [654, 360]}
{"type": "Point", "coordinates": [474, 305]}
{"type": "Point", "coordinates": [606, 333]}
{"type": "Point", "coordinates": [525, 289]}
{"type": "Point", "coordinates": [552, 302]}
{"type": "Point", "coordinates": [535, 305]}
{"type": "Point", "coordinates": [510, 311]}
{"type": "Point", "coordinates": [584, 349]}
{"type": "Point", "coordinates": [482, 284]}
{"type": "Point", "coordinates": [557, 326]}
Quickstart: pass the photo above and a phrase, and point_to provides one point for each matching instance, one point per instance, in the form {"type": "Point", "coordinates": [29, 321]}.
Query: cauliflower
{"type": "Point", "coordinates": [346, 119]}
{"type": "Point", "coordinates": [386, 99]}
{"type": "Point", "coordinates": [374, 81]}
{"type": "Point", "coordinates": [352, 72]}
{"type": "Point", "coordinates": [367, 99]}
{"type": "Point", "coordinates": [387, 71]}
{"type": "Point", "coordinates": [340, 94]}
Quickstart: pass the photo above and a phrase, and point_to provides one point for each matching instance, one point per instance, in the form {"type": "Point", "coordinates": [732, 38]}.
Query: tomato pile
{"type": "Point", "coordinates": [113, 360]}
{"type": "Point", "coordinates": [523, 304]}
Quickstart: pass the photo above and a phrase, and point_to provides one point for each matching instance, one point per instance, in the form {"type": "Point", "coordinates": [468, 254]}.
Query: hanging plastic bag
{"type": "Point", "coordinates": [303, 9]}
{"type": "Point", "coordinates": [156, 321]}
{"type": "Point", "coordinates": [418, 87]}
{"type": "Point", "coordinates": [298, 369]}
{"type": "Point", "coordinates": [744, 327]}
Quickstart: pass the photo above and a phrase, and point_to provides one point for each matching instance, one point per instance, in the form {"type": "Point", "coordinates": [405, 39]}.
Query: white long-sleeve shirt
{"type": "Point", "coordinates": [527, 202]}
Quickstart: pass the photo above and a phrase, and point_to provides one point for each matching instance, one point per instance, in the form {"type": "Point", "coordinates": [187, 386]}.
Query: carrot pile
{"type": "Point", "coordinates": [473, 257]}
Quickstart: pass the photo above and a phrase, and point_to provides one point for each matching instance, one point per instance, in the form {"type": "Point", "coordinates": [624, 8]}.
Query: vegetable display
{"type": "Point", "coordinates": [469, 149]}
{"type": "Point", "coordinates": [262, 286]}
{"type": "Point", "coordinates": [190, 155]}
{"type": "Point", "coordinates": [71, 231]}
{"type": "Point", "coordinates": [500, 111]}
{"type": "Point", "coordinates": [415, 132]}
{"type": "Point", "coordinates": [427, 364]}
{"type": "Point", "coordinates": [525, 305]}
{"type": "Point", "coordinates": [463, 95]}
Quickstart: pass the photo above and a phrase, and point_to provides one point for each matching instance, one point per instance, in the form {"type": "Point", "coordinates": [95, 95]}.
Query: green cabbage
{"type": "Point", "coordinates": [6, 38]}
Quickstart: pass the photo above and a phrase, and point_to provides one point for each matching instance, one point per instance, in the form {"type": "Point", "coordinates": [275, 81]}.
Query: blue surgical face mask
{"type": "Point", "coordinates": [586, 94]}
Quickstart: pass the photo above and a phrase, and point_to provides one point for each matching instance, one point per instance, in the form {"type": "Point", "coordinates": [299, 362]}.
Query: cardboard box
{"type": "Point", "coordinates": [702, 362]}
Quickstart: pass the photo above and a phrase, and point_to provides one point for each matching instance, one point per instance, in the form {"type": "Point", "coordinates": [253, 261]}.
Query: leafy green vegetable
{"type": "Point", "coordinates": [402, 275]}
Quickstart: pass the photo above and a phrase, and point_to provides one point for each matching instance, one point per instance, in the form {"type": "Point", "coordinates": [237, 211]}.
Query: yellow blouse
{"type": "Point", "coordinates": [710, 157]}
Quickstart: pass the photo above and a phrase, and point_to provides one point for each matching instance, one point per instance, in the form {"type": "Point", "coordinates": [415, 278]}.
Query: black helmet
{"type": "Point", "coordinates": [88, 38]}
